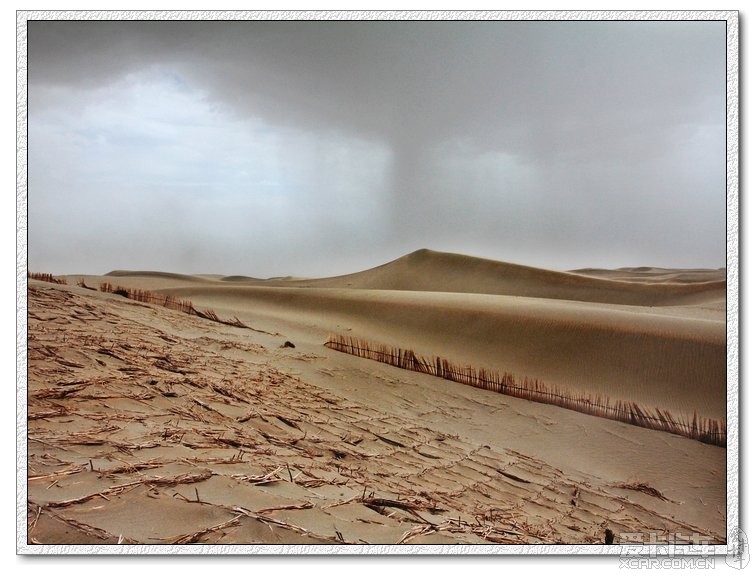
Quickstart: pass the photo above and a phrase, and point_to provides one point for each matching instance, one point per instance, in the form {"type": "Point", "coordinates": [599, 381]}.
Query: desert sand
{"type": "Point", "coordinates": [148, 425]}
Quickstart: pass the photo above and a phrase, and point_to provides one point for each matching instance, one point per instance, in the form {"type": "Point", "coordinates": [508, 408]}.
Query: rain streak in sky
{"type": "Point", "coordinates": [320, 148]}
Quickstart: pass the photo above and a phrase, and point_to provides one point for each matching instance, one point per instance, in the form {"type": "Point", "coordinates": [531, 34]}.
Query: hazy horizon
{"type": "Point", "coordinates": [369, 264]}
{"type": "Point", "coordinates": [324, 148]}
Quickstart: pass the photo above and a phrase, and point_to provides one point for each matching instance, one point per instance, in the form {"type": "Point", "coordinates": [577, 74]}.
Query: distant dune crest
{"type": "Point", "coordinates": [427, 270]}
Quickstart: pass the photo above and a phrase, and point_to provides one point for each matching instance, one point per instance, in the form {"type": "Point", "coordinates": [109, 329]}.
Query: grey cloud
{"type": "Point", "coordinates": [565, 142]}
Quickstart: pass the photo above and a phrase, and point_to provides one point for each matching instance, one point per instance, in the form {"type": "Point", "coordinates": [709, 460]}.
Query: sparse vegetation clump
{"type": "Point", "coordinates": [705, 430]}
{"type": "Point", "coordinates": [82, 284]}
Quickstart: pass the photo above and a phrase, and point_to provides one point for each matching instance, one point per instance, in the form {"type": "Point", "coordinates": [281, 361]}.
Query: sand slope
{"type": "Point", "coordinates": [151, 426]}
{"type": "Point", "coordinates": [673, 362]}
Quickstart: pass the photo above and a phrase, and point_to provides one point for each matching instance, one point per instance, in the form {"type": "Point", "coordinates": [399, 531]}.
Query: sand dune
{"type": "Point", "coordinates": [655, 275]}
{"type": "Point", "coordinates": [238, 279]}
{"type": "Point", "coordinates": [426, 270]}
{"type": "Point", "coordinates": [159, 275]}
{"type": "Point", "coordinates": [430, 271]}
{"type": "Point", "coordinates": [361, 431]}
{"type": "Point", "coordinates": [672, 362]}
{"type": "Point", "coordinates": [565, 329]}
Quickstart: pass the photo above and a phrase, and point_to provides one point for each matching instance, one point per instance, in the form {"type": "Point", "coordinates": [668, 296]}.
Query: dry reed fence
{"type": "Point", "coordinates": [705, 430]}
{"type": "Point", "coordinates": [46, 278]}
{"type": "Point", "coordinates": [171, 302]}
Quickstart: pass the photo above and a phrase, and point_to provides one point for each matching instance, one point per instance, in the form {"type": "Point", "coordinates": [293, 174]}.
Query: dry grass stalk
{"type": "Point", "coordinates": [180, 479]}
{"type": "Point", "coordinates": [416, 532]}
{"type": "Point", "coordinates": [271, 477]}
{"type": "Point", "coordinates": [48, 414]}
{"type": "Point", "coordinates": [204, 405]}
{"type": "Point", "coordinates": [212, 316]}
{"type": "Point", "coordinates": [68, 363]}
{"type": "Point", "coordinates": [305, 505]}
{"type": "Point", "coordinates": [314, 483]}
{"type": "Point", "coordinates": [194, 537]}
{"type": "Point", "coordinates": [33, 523]}
{"type": "Point", "coordinates": [405, 505]}
{"type": "Point", "coordinates": [56, 393]}
{"type": "Point", "coordinates": [117, 489]}
{"type": "Point", "coordinates": [707, 431]}
{"type": "Point", "coordinates": [242, 511]}
{"type": "Point", "coordinates": [131, 467]}
{"type": "Point", "coordinates": [490, 533]}
{"type": "Point", "coordinates": [643, 488]}
{"type": "Point", "coordinates": [124, 446]}
{"type": "Point", "coordinates": [222, 389]}
{"type": "Point", "coordinates": [71, 470]}
{"type": "Point", "coordinates": [285, 525]}
{"type": "Point", "coordinates": [83, 527]}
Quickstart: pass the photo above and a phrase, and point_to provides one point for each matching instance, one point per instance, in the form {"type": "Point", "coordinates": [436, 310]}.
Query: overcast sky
{"type": "Point", "coordinates": [317, 148]}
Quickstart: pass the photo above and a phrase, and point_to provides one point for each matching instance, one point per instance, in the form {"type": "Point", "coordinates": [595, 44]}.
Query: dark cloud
{"type": "Point", "coordinates": [553, 143]}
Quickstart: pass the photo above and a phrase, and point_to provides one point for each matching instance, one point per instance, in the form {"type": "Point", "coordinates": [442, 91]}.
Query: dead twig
{"type": "Point", "coordinates": [271, 477]}
{"type": "Point", "coordinates": [194, 537]}
{"type": "Point", "coordinates": [83, 527]}
{"type": "Point", "coordinates": [643, 488]}
{"type": "Point", "coordinates": [405, 505]}
{"type": "Point", "coordinates": [305, 505]}
{"type": "Point", "coordinates": [73, 469]}
{"type": "Point", "coordinates": [117, 489]}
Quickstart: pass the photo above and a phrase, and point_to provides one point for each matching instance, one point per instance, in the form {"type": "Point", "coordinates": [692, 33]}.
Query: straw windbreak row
{"type": "Point", "coordinates": [705, 430]}
{"type": "Point", "coordinates": [46, 278]}
{"type": "Point", "coordinates": [144, 296]}
{"type": "Point", "coordinates": [169, 301]}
